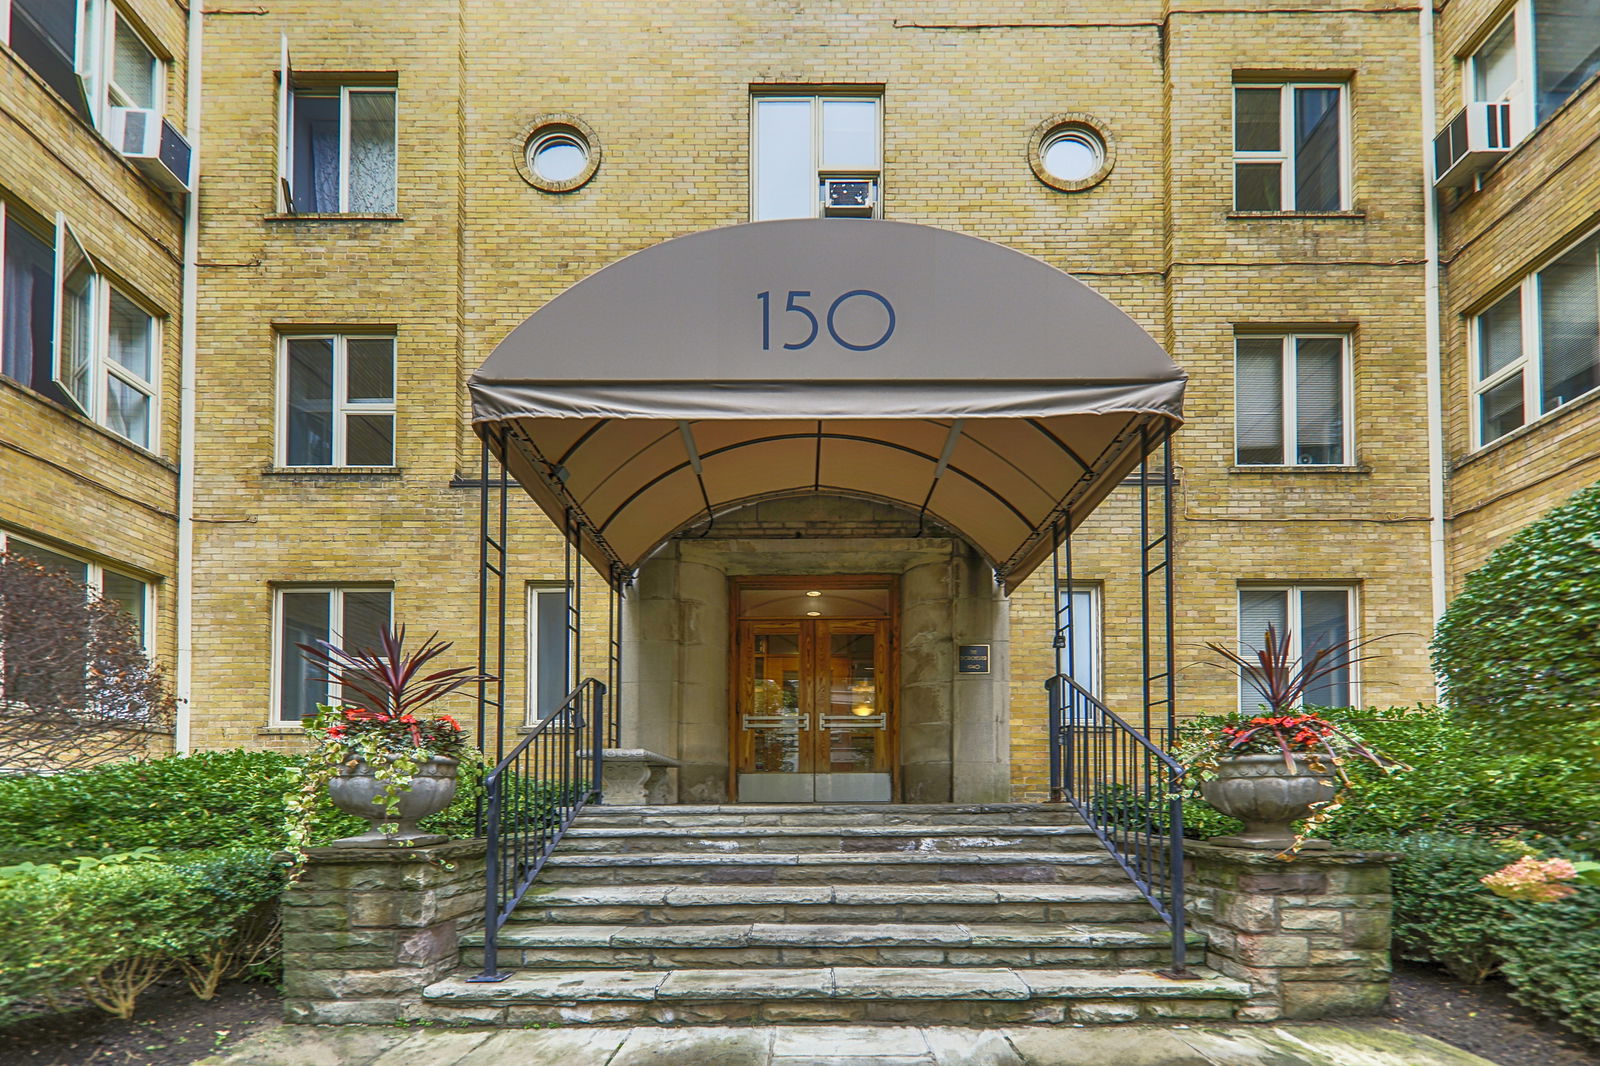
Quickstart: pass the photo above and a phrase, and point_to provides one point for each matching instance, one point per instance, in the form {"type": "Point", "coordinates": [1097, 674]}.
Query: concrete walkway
{"type": "Point", "coordinates": [845, 1045]}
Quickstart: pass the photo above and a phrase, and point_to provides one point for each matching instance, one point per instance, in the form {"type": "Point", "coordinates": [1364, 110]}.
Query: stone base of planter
{"type": "Point", "coordinates": [1310, 934]}
{"type": "Point", "coordinates": [1266, 842]}
{"type": "Point", "coordinates": [634, 777]}
{"type": "Point", "coordinates": [365, 929]}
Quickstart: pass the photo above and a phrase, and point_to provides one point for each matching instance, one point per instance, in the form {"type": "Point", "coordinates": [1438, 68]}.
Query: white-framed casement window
{"type": "Point", "coordinates": [336, 400]}
{"type": "Point", "coordinates": [815, 156]}
{"type": "Point", "coordinates": [50, 37]}
{"type": "Point", "coordinates": [550, 668]}
{"type": "Point", "coordinates": [1312, 616]}
{"type": "Point", "coordinates": [108, 346]}
{"type": "Point", "coordinates": [1291, 400]}
{"type": "Point", "coordinates": [1537, 56]}
{"type": "Point", "coordinates": [1537, 348]}
{"type": "Point", "coordinates": [1499, 70]}
{"type": "Point", "coordinates": [337, 145]}
{"type": "Point", "coordinates": [134, 596]}
{"type": "Point", "coordinates": [1078, 641]}
{"type": "Point", "coordinates": [89, 52]}
{"type": "Point", "coordinates": [1291, 149]}
{"type": "Point", "coordinates": [27, 300]}
{"type": "Point", "coordinates": [350, 617]}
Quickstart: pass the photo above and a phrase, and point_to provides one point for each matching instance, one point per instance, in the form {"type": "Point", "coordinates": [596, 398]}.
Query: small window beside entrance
{"type": "Point", "coordinates": [815, 156]}
{"type": "Point", "coordinates": [549, 673]}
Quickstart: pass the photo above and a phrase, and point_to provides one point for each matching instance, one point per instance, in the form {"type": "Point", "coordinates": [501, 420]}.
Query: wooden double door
{"type": "Point", "coordinates": [814, 698]}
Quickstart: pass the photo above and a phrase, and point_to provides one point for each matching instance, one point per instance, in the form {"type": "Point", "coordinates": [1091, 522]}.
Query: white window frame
{"type": "Point", "coordinates": [818, 171]}
{"type": "Point", "coordinates": [335, 634]}
{"type": "Point", "coordinates": [1284, 156]}
{"type": "Point", "coordinates": [1289, 353]}
{"type": "Point", "coordinates": [1520, 94]}
{"type": "Point", "coordinates": [102, 368]}
{"type": "Point", "coordinates": [1096, 635]}
{"type": "Point", "coordinates": [531, 716]}
{"type": "Point", "coordinates": [286, 164]}
{"type": "Point", "coordinates": [1530, 363]}
{"type": "Point", "coordinates": [96, 580]}
{"type": "Point", "coordinates": [99, 65]}
{"type": "Point", "coordinates": [343, 406]}
{"type": "Point", "coordinates": [1296, 649]}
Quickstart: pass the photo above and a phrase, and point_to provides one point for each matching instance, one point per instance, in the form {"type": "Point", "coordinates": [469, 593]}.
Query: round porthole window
{"type": "Point", "coordinates": [559, 153]}
{"type": "Point", "coordinates": [1070, 152]}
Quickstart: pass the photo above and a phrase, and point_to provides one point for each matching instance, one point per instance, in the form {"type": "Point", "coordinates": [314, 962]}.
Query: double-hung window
{"type": "Point", "coordinates": [27, 300]}
{"type": "Point", "coordinates": [350, 617]}
{"type": "Point", "coordinates": [815, 156]}
{"type": "Point", "coordinates": [1310, 617]}
{"type": "Point", "coordinates": [549, 664]}
{"type": "Point", "coordinates": [1289, 147]}
{"type": "Point", "coordinates": [1078, 643]}
{"type": "Point", "coordinates": [108, 346]}
{"type": "Point", "coordinates": [1538, 348]}
{"type": "Point", "coordinates": [129, 593]}
{"type": "Point", "coordinates": [336, 145]}
{"type": "Point", "coordinates": [336, 405]}
{"type": "Point", "coordinates": [1292, 400]}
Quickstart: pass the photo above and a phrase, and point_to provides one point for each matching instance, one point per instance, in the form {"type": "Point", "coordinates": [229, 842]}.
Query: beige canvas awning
{"type": "Point", "coordinates": [924, 368]}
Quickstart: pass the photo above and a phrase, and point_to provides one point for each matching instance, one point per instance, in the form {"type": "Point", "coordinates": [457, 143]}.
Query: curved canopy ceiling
{"type": "Point", "coordinates": [914, 365]}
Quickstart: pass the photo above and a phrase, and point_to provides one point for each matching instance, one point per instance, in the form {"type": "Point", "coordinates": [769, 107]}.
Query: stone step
{"type": "Point", "coordinates": [925, 994]}
{"type": "Point", "coordinates": [762, 944]}
{"type": "Point", "coordinates": [831, 867]}
{"type": "Point", "coordinates": [665, 903]}
{"type": "Point", "coordinates": [849, 814]}
{"type": "Point", "coordinates": [583, 838]}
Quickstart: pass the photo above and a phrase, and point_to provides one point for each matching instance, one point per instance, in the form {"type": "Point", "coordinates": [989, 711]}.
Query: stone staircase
{"type": "Point", "coordinates": [931, 914]}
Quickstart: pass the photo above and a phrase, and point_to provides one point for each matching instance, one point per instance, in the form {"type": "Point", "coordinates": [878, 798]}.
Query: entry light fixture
{"type": "Point", "coordinates": [813, 614]}
{"type": "Point", "coordinates": [813, 594]}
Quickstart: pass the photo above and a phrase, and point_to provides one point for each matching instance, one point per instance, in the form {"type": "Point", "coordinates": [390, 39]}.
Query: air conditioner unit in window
{"type": "Point", "coordinates": [1472, 140]}
{"type": "Point", "coordinates": [849, 197]}
{"type": "Point", "coordinates": [151, 144]}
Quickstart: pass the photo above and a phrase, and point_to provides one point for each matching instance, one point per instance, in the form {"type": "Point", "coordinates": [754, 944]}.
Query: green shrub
{"type": "Point", "coordinates": [1549, 953]}
{"type": "Point", "coordinates": [1517, 647]}
{"type": "Point", "coordinates": [109, 929]}
{"type": "Point", "coordinates": [1441, 911]}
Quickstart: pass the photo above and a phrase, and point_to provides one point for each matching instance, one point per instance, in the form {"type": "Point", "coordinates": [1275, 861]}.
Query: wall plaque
{"type": "Point", "coordinates": [972, 659]}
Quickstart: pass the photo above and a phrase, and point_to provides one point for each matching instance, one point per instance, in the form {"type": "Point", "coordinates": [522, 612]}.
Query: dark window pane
{"type": "Point", "coordinates": [1258, 609]}
{"type": "Point", "coordinates": [1566, 44]}
{"type": "Point", "coordinates": [1257, 125]}
{"type": "Point", "coordinates": [1319, 401]}
{"type": "Point", "coordinates": [28, 300]}
{"type": "Point", "coordinates": [1500, 335]}
{"type": "Point", "coordinates": [550, 610]}
{"type": "Point", "coordinates": [316, 154]}
{"type": "Point", "coordinates": [1325, 622]}
{"type": "Point", "coordinates": [1258, 400]}
{"type": "Point", "coordinates": [304, 620]}
{"type": "Point", "coordinates": [127, 593]}
{"type": "Point", "coordinates": [1500, 409]}
{"type": "Point", "coordinates": [43, 34]}
{"type": "Point", "coordinates": [1316, 150]}
{"type": "Point", "coordinates": [1569, 314]}
{"type": "Point", "coordinates": [61, 564]}
{"type": "Point", "coordinates": [1258, 187]}
{"type": "Point", "coordinates": [371, 368]}
{"type": "Point", "coordinates": [310, 403]}
{"type": "Point", "coordinates": [369, 440]}
{"type": "Point", "coordinates": [366, 616]}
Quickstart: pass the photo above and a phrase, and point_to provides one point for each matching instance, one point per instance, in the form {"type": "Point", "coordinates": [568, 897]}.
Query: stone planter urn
{"type": "Point", "coordinates": [1268, 798]}
{"type": "Point", "coordinates": [356, 791]}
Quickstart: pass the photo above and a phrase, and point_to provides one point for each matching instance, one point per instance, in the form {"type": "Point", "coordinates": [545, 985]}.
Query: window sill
{"type": "Point", "coordinates": [333, 473]}
{"type": "Point", "coordinates": [1353, 215]}
{"type": "Point", "coordinates": [1537, 425]}
{"type": "Point", "coordinates": [333, 216]}
{"type": "Point", "coordinates": [280, 731]}
{"type": "Point", "coordinates": [1308, 468]}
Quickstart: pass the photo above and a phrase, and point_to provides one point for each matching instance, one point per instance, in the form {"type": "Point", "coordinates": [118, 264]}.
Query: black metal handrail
{"type": "Point", "coordinates": [1126, 787]}
{"type": "Point", "coordinates": [533, 795]}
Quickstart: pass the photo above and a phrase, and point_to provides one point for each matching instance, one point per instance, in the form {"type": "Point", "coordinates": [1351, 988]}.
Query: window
{"type": "Point", "coordinates": [88, 52]}
{"type": "Point", "coordinates": [1538, 348]}
{"type": "Point", "coordinates": [1312, 616]}
{"type": "Point", "coordinates": [107, 346]}
{"type": "Point", "coordinates": [1537, 58]}
{"type": "Point", "coordinates": [549, 671]}
{"type": "Point", "coordinates": [129, 593]}
{"type": "Point", "coordinates": [336, 150]}
{"type": "Point", "coordinates": [1289, 149]}
{"type": "Point", "coordinates": [1078, 636]}
{"type": "Point", "coordinates": [349, 617]}
{"type": "Point", "coordinates": [1497, 72]}
{"type": "Point", "coordinates": [815, 156]}
{"type": "Point", "coordinates": [1291, 399]}
{"type": "Point", "coordinates": [27, 301]}
{"type": "Point", "coordinates": [45, 35]}
{"type": "Point", "coordinates": [337, 401]}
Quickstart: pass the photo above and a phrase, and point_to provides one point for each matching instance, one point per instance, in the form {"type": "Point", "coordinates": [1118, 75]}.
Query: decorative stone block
{"type": "Point", "coordinates": [1310, 934]}
{"type": "Point", "coordinates": [365, 929]}
{"type": "Point", "coordinates": [634, 776]}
